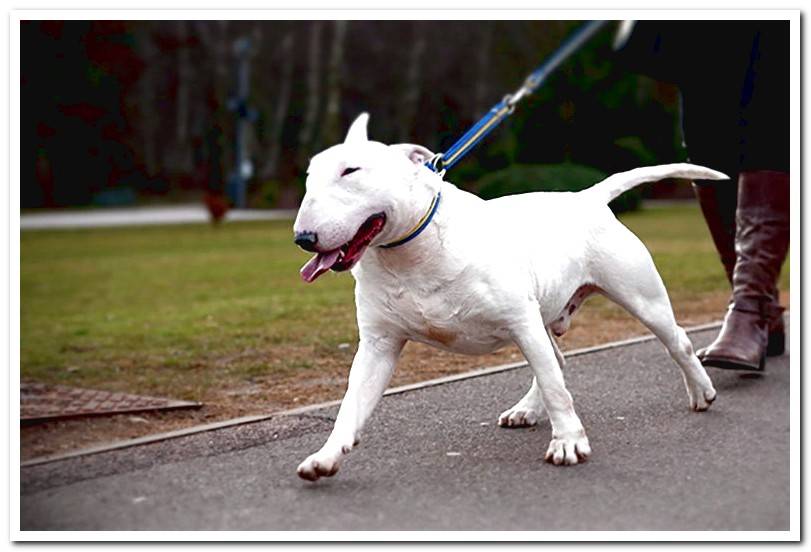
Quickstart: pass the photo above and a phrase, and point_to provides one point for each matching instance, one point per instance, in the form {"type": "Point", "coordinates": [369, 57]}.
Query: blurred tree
{"type": "Point", "coordinates": [75, 133]}
{"type": "Point", "coordinates": [184, 82]}
{"type": "Point", "coordinates": [411, 89]}
{"type": "Point", "coordinates": [307, 131]}
{"type": "Point", "coordinates": [282, 106]}
{"type": "Point", "coordinates": [333, 131]}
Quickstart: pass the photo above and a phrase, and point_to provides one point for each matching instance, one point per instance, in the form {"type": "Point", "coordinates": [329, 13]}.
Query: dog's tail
{"type": "Point", "coordinates": [616, 184]}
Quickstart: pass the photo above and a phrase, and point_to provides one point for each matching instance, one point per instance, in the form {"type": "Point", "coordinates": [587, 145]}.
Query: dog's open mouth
{"type": "Point", "coordinates": [344, 257]}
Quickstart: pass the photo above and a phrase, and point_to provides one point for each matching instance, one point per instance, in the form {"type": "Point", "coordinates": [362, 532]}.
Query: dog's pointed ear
{"type": "Point", "coordinates": [419, 155]}
{"type": "Point", "coordinates": [357, 130]}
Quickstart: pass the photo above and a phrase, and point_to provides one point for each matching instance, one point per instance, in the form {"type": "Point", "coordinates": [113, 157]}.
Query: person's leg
{"type": "Point", "coordinates": [710, 90]}
{"type": "Point", "coordinates": [719, 201]}
{"type": "Point", "coordinates": [753, 326]}
{"type": "Point", "coordinates": [710, 127]}
{"type": "Point", "coordinates": [761, 245]}
{"type": "Point", "coordinates": [733, 77]}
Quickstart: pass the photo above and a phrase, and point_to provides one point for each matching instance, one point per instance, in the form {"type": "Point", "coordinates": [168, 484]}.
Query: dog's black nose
{"type": "Point", "coordinates": [306, 240]}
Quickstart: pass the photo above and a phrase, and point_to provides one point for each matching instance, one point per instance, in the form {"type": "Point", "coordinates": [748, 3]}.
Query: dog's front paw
{"type": "Point", "coordinates": [701, 399]}
{"type": "Point", "coordinates": [519, 416]}
{"type": "Point", "coordinates": [701, 394]}
{"type": "Point", "coordinates": [319, 465]}
{"type": "Point", "coordinates": [568, 449]}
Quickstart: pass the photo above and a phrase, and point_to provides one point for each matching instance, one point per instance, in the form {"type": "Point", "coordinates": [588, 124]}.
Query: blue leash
{"type": "Point", "coordinates": [503, 109]}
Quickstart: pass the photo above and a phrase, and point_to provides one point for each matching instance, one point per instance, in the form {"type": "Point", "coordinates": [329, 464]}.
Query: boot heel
{"type": "Point", "coordinates": [777, 344]}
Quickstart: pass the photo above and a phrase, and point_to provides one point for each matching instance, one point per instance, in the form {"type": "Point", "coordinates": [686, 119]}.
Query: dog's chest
{"type": "Point", "coordinates": [448, 316]}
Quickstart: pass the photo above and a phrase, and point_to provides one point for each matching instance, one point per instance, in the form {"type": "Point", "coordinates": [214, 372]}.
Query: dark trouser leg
{"type": "Point", "coordinates": [761, 245]}
{"type": "Point", "coordinates": [718, 201]}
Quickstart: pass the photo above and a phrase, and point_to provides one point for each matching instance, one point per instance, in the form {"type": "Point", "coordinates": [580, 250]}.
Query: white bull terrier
{"type": "Point", "coordinates": [436, 264]}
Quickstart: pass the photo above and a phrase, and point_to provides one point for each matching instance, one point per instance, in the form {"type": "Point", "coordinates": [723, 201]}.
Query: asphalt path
{"type": "Point", "coordinates": [435, 459]}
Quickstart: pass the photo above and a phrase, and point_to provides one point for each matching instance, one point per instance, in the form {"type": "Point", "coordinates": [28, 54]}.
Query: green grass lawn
{"type": "Point", "coordinates": [175, 307]}
{"type": "Point", "coordinates": [183, 310]}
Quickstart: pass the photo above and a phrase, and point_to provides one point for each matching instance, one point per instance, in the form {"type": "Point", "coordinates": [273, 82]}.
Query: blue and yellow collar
{"type": "Point", "coordinates": [421, 225]}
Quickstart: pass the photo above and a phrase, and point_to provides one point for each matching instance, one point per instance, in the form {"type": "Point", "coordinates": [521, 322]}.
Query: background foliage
{"type": "Point", "coordinates": [116, 112]}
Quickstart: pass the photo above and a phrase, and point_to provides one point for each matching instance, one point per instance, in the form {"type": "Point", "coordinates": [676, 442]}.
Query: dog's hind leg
{"type": "Point", "coordinates": [633, 282]}
{"type": "Point", "coordinates": [660, 320]}
{"type": "Point", "coordinates": [530, 409]}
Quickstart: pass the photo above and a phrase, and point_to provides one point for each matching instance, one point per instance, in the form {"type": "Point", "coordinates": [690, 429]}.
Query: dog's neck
{"type": "Point", "coordinates": [419, 226]}
{"type": "Point", "coordinates": [411, 206]}
{"type": "Point", "coordinates": [426, 253]}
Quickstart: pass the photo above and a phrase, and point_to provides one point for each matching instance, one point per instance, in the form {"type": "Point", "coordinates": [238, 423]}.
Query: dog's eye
{"type": "Point", "coordinates": [349, 170]}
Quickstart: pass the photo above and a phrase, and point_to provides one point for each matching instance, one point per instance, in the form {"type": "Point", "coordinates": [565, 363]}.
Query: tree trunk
{"type": "Point", "coordinates": [184, 77]}
{"type": "Point", "coordinates": [411, 90]}
{"type": "Point", "coordinates": [481, 101]}
{"type": "Point", "coordinates": [214, 37]}
{"type": "Point", "coordinates": [271, 164]}
{"type": "Point", "coordinates": [146, 103]}
{"type": "Point", "coordinates": [307, 132]}
{"type": "Point", "coordinates": [332, 118]}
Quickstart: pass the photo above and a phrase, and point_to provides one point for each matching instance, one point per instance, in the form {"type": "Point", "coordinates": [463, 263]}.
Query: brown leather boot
{"type": "Point", "coordinates": [718, 201]}
{"type": "Point", "coordinates": [761, 245]}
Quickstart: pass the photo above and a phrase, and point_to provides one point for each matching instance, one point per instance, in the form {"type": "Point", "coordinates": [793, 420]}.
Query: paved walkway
{"type": "Point", "coordinates": [656, 464]}
{"type": "Point", "coordinates": [141, 216]}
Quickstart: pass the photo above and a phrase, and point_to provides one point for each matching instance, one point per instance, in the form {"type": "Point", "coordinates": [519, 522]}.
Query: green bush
{"type": "Point", "coordinates": [563, 177]}
{"type": "Point", "coordinates": [266, 194]}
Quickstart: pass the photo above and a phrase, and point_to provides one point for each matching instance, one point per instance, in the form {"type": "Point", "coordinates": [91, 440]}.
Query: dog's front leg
{"type": "Point", "coordinates": [569, 442]}
{"type": "Point", "coordinates": [370, 374]}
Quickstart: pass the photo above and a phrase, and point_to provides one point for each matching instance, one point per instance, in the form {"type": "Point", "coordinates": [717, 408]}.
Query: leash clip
{"type": "Point", "coordinates": [529, 86]}
{"type": "Point", "coordinates": [511, 99]}
{"type": "Point", "coordinates": [438, 165]}
{"type": "Point", "coordinates": [531, 83]}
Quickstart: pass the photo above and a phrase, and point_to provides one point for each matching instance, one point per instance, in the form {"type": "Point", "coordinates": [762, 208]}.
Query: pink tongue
{"type": "Point", "coordinates": [319, 264]}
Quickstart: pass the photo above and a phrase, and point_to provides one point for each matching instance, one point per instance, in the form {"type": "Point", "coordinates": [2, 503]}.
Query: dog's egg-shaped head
{"type": "Point", "coordinates": [355, 192]}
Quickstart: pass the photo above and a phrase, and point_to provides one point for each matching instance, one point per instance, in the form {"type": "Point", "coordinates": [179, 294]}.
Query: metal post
{"type": "Point", "coordinates": [244, 113]}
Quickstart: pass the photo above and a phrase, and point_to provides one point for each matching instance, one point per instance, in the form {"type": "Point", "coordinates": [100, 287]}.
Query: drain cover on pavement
{"type": "Point", "coordinates": [40, 402]}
